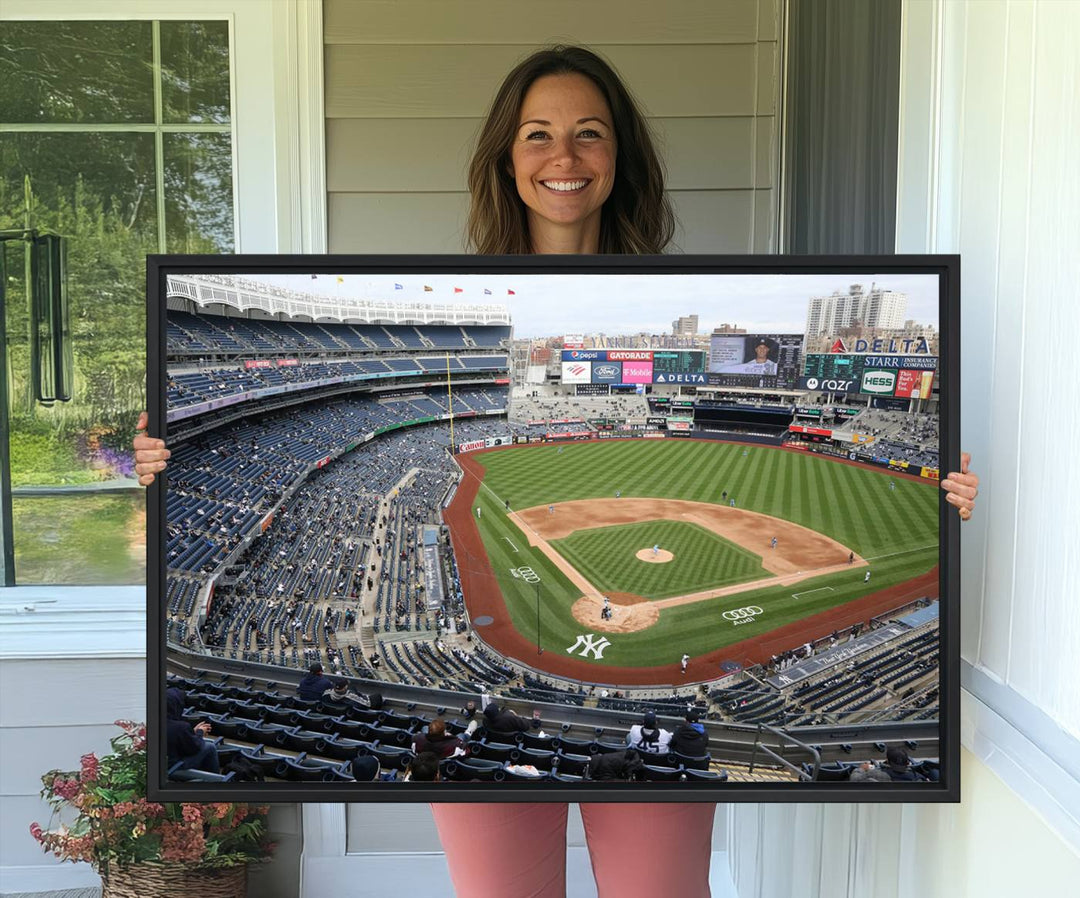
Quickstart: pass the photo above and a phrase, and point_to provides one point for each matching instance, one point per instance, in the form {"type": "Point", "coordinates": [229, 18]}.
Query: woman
{"type": "Point", "coordinates": [565, 164]}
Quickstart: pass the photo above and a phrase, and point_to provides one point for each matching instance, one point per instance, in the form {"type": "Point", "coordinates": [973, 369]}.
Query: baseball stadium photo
{"type": "Point", "coordinates": [507, 528]}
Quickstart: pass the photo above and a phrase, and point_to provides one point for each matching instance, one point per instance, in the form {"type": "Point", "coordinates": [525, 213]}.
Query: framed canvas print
{"type": "Point", "coordinates": [554, 528]}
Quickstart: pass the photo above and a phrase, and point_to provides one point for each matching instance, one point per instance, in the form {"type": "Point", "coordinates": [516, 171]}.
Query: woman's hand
{"type": "Point", "coordinates": [150, 453]}
{"type": "Point", "coordinates": [962, 488]}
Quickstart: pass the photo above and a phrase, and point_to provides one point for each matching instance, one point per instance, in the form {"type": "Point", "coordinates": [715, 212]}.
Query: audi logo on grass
{"type": "Point", "coordinates": [742, 615]}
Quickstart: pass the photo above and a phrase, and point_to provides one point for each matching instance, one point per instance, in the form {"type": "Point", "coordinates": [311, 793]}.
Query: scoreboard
{"type": "Point", "coordinates": [907, 377]}
{"type": "Point", "coordinates": [681, 362]}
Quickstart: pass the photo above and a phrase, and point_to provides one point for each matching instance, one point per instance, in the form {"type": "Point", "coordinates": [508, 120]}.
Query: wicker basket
{"type": "Point", "coordinates": [151, 880]}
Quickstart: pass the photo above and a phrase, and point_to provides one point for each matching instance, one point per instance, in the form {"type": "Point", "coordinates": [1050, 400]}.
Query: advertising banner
{"type": "Point", "coordinates": [584, 355]}
{"type": "Point", "coordinates": [592, 389]}
{"type": "Point", "coordinates": [880, 382]}
{"type": "Point", "coordinates": [931, 473]}
{"type": "Point", "coordinates": [914, 384]}
{"type": "Point", "coordinates": [287, 363]}
{"type": "Point", "coordinates": [576, 372]}
{"type": "Point", "coordinates": [607, 372]}
{"type": "Point", "coordinates": [656, 422]}
{"type": "Point", "coordinates": [258, 363]}
{"type": "Point", "coordinates": [679, 378]}
{"type": "Point", "coordinates": [829, 384]}
{"type": "Point", "coordinates": [816, 431]}
{"type": "Point", "coordinates": [573, 341]}
{"type": "Point", "coordinates": [637, 373]}
{"type": "Point", "coordinates": [629, 355]}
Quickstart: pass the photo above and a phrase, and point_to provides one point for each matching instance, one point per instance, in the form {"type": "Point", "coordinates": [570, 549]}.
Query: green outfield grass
{"type": "Point", "coordinates": [703, 560]}
{"type": "Point", "coordinates": [896, 530]}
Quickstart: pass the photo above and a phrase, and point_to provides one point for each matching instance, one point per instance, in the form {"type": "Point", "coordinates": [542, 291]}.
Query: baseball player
{"type": "Point", "coordinates": [551, 509]}
{"type": "Point", "coordinates": [478, 512]}
{"type": "Point", "coordinates": [684, 662]}
{"type": "Point", "coordinates": [656, 550]}
{"type": "Point", "coordinates": [732, 503]}
{"type": "Point", "coordinates": [866, 579]}
{"type": "Point", "coordinates": [773, 543]}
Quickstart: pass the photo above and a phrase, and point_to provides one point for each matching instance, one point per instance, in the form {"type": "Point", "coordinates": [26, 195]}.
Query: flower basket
{"type": "Point", "coordinates": [144, 849]}
{"type": "Point", "coordinates": [173, 881]}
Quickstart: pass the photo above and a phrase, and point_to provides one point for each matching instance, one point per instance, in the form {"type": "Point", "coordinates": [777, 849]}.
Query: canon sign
{"type": "Point", "coordinates": [879, 382]}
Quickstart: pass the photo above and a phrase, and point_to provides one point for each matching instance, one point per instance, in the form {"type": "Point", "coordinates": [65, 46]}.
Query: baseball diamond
{"type": "Point", "coordinates": [583, 545]}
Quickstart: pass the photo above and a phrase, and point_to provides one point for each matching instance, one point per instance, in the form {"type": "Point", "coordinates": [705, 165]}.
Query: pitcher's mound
{"type": "Point", "coordinates": [660, 557]}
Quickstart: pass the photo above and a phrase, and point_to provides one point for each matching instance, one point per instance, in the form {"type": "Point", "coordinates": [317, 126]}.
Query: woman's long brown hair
{"type": "Point", "coordinates": [637, 216]}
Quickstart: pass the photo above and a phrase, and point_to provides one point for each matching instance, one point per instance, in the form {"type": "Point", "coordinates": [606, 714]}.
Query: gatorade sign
{"type": "Point", "coordinates": [879, 381]}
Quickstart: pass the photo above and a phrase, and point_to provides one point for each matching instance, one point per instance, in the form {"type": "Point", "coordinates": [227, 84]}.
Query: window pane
{"type": "Point", "coordinates": [98, 191]}
{"type": "Point", "coordinates": [195, 72]}
{"type": "Point", "coordinates": [81, 539]}
{"type": "Point", "coordinates": [198, 193]}
{"type": "Point", "coordinates": [76, 72]}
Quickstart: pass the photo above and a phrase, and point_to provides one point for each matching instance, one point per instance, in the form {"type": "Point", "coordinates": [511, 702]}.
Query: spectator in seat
{"type": "Point", "coordinates": [314, 685]}
{"type": "Point", "coordinates": [424, 768]}
{"type": "Point", "coordinates": [648, 736]}
{"type": "Point", "coordinates": [504, 722]}
{"type": "Point", "coordinates": [184, 743]}
{"type": "Point", "coordinates": [898, 767]}
{"type": "Point", "coordinates": [439, 742]}
{"type": "Point", "coordinates": [365, 769]}
{"type": "Point", "coordinates": [616, 765]}
{"type": "Point", "coordinates": [341, 693]}
{"type": "Point", "coordinates": [870, 773]}
{"type": "Point", "coordinates": [690, 738]}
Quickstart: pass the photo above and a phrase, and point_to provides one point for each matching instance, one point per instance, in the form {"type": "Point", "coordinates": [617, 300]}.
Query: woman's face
{"type": "Point", "coordinates": [563, 155]}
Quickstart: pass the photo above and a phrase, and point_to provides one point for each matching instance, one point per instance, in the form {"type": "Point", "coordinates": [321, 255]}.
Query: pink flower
{"type": "Point", "coordinates": [37, 832]}
{"type": "Point", "coordinates": [89, 767]}
{"type": "Point", "coordinates": [65, 788]}
{"type": "Point", "coordinates": [192, 813]}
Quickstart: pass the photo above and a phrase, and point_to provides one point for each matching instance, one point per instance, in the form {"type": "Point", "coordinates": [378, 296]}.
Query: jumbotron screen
{"type": "Point", "coordinates": [768, 361]}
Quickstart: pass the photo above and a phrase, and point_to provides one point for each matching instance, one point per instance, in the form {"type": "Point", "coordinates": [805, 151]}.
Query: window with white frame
{"type": "Point", "coordinates": [117, 135]}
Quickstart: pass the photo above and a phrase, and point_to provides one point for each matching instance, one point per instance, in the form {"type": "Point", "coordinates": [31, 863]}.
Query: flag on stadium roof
{"type": "Point", "coordinates": [398, 287]}
{"type": "Point", "coordinates": [510, 293]}
{"type": "Point", "coordinates": [487, 292]}
{"type": "Point", "coordinates": [428, 289]}
{"type": "Point", "coordinates": [458, 290]}
{"type": "Point", "coordinates": [314, 277]}
{"type": "Point", "coordinates": [340, 279]}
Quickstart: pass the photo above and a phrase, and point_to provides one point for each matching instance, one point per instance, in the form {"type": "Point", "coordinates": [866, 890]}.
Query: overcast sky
{"type": "Point", "coordinates": [548, 305]}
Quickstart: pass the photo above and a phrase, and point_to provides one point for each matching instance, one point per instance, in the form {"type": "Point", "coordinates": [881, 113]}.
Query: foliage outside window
{"type": "Point", "coordinates": [117, 136]}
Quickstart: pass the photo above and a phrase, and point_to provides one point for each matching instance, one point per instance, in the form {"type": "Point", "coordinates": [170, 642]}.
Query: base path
{"type": "Point", "coordinates": [483, 597]}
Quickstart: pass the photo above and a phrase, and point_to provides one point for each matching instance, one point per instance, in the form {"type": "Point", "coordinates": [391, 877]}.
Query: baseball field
{"type": "Point", "coordinates": [676, 539]}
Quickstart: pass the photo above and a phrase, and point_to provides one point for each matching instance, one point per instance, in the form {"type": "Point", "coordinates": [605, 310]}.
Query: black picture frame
{"type": "Point", "coordinates": [945, 267]}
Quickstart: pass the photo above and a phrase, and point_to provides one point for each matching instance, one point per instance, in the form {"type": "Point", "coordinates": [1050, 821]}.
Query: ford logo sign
{"type": "Point", "coordinates": [605, 371]}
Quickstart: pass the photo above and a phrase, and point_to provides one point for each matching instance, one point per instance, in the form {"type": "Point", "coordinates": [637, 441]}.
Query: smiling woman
{"type": "Point", "coordinates": [565, 145]}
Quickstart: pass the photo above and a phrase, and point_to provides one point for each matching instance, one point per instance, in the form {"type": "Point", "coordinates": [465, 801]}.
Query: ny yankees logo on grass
{"type": "Point", "coordinates": [591, 644]}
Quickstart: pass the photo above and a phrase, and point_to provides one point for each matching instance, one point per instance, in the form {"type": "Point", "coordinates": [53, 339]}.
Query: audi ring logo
{"type": "Point", "coordinates": [743, 615]}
